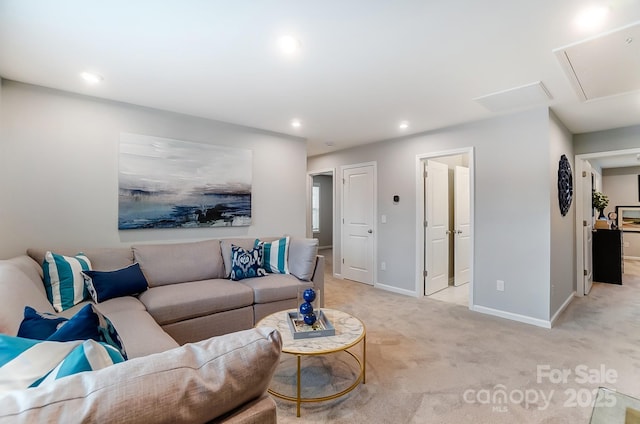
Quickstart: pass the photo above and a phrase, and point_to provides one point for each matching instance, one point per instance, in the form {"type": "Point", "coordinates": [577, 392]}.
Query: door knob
{"type": "Point", "coordinates": [370, 231]}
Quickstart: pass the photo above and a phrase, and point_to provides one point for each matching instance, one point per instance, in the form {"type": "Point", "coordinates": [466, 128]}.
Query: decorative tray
{"type": "Point", "coordinates": [321, 328]}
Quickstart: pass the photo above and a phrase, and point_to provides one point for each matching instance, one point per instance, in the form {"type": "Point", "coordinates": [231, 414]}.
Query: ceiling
{"type": "Point", "coordinates": [362, 68]}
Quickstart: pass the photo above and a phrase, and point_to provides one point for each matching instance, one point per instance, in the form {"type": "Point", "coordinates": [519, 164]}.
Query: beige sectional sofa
{"type": "Point", "coordinates": [190, 333]}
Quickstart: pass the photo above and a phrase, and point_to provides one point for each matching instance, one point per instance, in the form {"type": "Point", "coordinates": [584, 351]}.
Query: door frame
{"type": "Point", "coordinates": [374, 253]}
{"type": "Point", "coordinates": [579, 158]}
{"type": "Point", "coordinates": [419, 281]}
{"type": "Point", "coordinates": [309, 231]}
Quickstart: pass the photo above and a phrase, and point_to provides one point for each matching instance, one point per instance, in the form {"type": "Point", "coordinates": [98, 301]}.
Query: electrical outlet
{"type": "Point", "coordinates": [383, 219]}
{"type": "Point", "coordinates": [383, 266]}
{"type": "Point", "coordinates": [500, 285]}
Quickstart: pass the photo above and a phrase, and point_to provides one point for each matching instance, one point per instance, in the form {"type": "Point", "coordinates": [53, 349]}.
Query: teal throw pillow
{"type": "Point", "coordinates": [275, 255]}
{"type": "Point", "coordinates": [62, 279]}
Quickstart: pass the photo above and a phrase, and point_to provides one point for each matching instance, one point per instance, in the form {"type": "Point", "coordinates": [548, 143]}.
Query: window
{"type": "Point", "coordinates": [315, 208]}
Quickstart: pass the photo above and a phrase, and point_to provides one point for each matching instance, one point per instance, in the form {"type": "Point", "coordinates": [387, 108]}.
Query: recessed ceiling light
{"type": "Point", "coordinates": [404, 125]}
{"type": "Point", "coordinates": [289, 44]}
{"type": "Point", "coordinates": [91, 78]}
{"type": "Point", "coordinates": [296, 123]}
{"type": "Point", "coordinates": [592, 17]}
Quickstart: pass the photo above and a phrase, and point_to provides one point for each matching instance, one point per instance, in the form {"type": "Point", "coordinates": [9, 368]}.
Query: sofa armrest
{"type": "Point", "coordinates": [194, 383]}
{"type": "Point", "coordinates": [318, 278]}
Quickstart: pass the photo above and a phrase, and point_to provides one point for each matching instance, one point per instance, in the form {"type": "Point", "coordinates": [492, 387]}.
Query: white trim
{"type": "Point", "coordinates": [397, 290]}
{"type": "Point", "coordinates": [374, 264]}
{"type": "Point", "coordinates": [514, 317]}
{"type": "Point", "coordinates": [564, 306]}
{"type": "Point", "coordinates": [633, 258]}
{"type": "Point", "coordinates": [325, 247]}
{"type": "Point", "coordinates": [470, 152]}
{"type": "Point", "coordinates": [310, 175]}
{"type": "Point", "coordinates": [338, 276]}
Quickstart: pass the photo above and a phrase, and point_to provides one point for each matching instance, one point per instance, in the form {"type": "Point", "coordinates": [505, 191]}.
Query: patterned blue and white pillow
{"type": "Point", "coordinates": [63, 280]}
{"type": "Point", "coordinates": [276, 255]}
{"type": "Point", "coordinates": [28, 363]}
{"type": "Point", "coordinates": [246, 263]}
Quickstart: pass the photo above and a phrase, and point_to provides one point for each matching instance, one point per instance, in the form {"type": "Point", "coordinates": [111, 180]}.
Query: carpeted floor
{"type": "Point", "coordinates": [430, 361]}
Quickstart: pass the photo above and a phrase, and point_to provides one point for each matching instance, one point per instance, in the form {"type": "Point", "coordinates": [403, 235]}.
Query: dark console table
{"type": "Point", "coordinates": [607, 256]}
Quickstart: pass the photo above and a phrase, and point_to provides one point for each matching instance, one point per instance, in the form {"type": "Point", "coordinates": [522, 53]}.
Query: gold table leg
{"type": "Point", "coordinates": [299, 398]}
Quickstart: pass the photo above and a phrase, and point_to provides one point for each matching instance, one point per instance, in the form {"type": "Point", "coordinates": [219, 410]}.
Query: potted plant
{"type": "Point", "coordinates": [599, 201]}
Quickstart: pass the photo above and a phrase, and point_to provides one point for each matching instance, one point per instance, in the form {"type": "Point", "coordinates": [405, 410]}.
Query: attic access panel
{"type": "Point", "coordinates": [605, 65]}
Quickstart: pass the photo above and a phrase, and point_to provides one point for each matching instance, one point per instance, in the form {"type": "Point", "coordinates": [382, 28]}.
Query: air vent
{"type": "Point", "coordinates": [605, 65]}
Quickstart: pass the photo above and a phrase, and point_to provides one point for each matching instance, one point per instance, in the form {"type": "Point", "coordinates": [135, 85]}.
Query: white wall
{"type": "Point", "coordinates": [608, 140]}
{"type": "Point", "coordinates": [512, 204]}
{"type": "Point", "coordinates": [59, 162]}
{"type": "Point", "coordinates": [621, 186]}
{"type": "Point", "coordinates": [563, 250]}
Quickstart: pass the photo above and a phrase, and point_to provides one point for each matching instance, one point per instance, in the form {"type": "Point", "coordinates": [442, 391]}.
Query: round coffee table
{"type": "Point", "coordinates": [349, 332]}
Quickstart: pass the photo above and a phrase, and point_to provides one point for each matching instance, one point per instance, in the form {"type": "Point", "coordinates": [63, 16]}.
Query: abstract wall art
{"type": "Point", "coordinates": [165, 183]}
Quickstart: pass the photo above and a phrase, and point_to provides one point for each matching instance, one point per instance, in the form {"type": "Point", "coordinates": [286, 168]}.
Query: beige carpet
{"type": "Point", "coordinates": [430, 361]}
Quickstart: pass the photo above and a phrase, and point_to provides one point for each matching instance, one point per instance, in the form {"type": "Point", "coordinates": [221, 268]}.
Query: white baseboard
{"type": "Point", "coordinates": [633, 258]}
{"type": "Point", "coordinates": [338, 276]}
{"type": "Point", "coordinates": [396, 290]}
{"type": "Point", "coordinates": [510, 315]}
{"type": "Point", "coordinates": [325, 247]}
{"type": "Point", "coordinates": [562, 308]}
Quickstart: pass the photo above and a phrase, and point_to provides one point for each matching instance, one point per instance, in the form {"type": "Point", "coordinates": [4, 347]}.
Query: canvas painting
{"type": "Point", "coordinates": [629, 218]}
{"type": "Point", "coordinates": [165, 183]}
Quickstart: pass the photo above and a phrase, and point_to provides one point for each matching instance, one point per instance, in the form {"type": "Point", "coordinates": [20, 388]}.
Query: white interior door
{"type": "Point", "coordinates": [358, 223]}
{"type": "Point", "coordinates": [462, 226]}
{"type": "Point", "coordinates": [587, 211]}
{"type": "Point", "coordinates": [436, 227]}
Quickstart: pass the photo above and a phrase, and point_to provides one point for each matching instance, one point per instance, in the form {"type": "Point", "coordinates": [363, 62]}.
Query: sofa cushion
{"type": "Point", "coordinates": [26, 363]}
{"type": "Point", "coordinates": [275, 255]}
{"type": "Point", "coordinates": [104, 285]}
{"type": "Point", "coordinates": [17, 291]}
{"type": "Point", "coordinates": [179, 262]}
{"type": "Point", "coordinates": [302, 257]}
{"type": "Point", "coordinates": [178, 302]}
{"type": "Point", "coordinates": [194, 383]}
{"type": "Point", "coordinates": [62, 279]}
{"type": "Point", "coordinates": [246, 263]}
{"type": "Point", "coordinates": [145, 337]}
{"type": "Point", "coordinates": [245, 243]}
{"type": "Point", "coordinates": [275, 287]}
{"type": "Point", "coordinates": [102, 259]}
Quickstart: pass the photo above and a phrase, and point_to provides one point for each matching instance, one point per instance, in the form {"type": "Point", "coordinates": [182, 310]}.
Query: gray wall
{"type": "Point", "coordinates": [325, 236]}
{"type": "Point", "coordinates": [59, 164]}
{"type": "Point", "coordinates": [621, 186]}
{"type": "Point", "coordinates": [513, 193]}
{"type": "Point", "coordinates": [563, 250]}
{"type": "Point", "coordinates": [604, 141]}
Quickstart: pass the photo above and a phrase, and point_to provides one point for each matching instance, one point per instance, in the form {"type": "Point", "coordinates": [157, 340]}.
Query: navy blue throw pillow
{"type": "Point", "coordinates": [246, 263]}
{"type": "Point", "coordinates": [104, 285]}
{"type": "Point", "coordinates": [87, 323]}
{"type": "Point", "coordinates": [39, 325]}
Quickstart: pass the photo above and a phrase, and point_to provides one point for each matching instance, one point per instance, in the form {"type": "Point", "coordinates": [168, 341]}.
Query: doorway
{"type": "Point", "coordinates": [589, 168]}
{"type": "Point", "coordinates": [444, 217]}
{"type": "Point", "coordinates": [321, 210]}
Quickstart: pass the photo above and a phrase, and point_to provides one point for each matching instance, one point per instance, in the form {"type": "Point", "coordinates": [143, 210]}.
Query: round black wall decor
{"type": "Point", "coordinates": [565, 185]}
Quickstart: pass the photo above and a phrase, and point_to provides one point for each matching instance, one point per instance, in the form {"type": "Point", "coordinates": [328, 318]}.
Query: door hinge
{"type": "Point", "coordinates": [342, 260]}
{"type": "Point", "coordinates": [584, 174]}
{"type": "Point", "coordinates": [425, 273]}
{"type": "Point", "coordinates": [344, 181]}
{"type": "Point", "coordinates": [426, 174]}
{"type": "Point", "coordinates": [426, 224]}
{"type": "Point", "coordinates": [584, 271]}
{"type": "Point", "coordinates": [584, 223]}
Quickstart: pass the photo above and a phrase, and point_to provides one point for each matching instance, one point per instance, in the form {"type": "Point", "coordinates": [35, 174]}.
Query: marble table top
{"type": "Point", "coordinates": [349, 331]}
